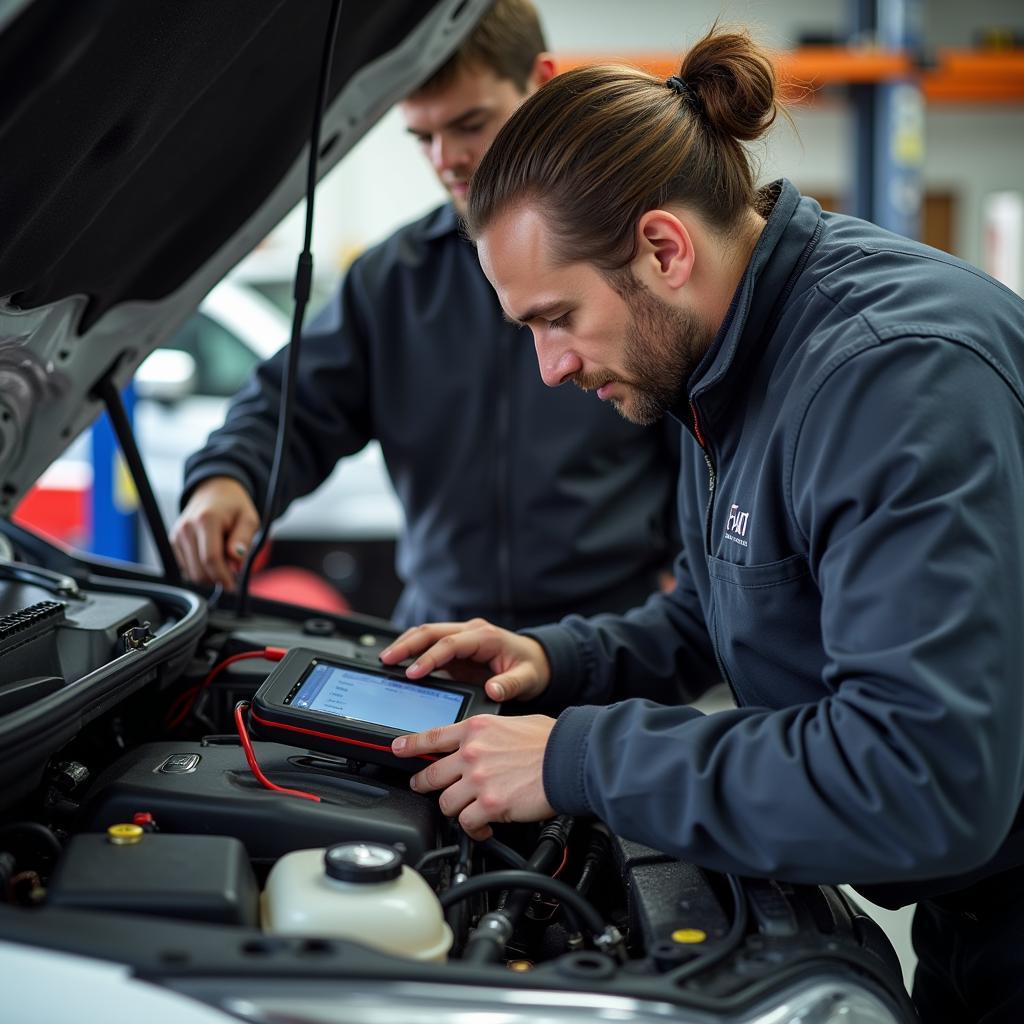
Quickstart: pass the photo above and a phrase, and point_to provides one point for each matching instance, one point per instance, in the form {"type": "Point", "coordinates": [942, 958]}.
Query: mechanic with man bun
{"type": "Point", "coordinates": [851, 492]}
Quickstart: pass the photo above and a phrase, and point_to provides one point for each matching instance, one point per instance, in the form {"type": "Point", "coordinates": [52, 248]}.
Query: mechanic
{"type": "Point", "coordinates": [851, 487]}
{"type": "Point", "coordinates": [519, 504]}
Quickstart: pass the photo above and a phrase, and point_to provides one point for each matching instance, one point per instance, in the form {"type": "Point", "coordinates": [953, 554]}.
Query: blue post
{"type": "Point", "coordinates": [888, 122]}
{"type": "Point", "coordinates": [114, 501]}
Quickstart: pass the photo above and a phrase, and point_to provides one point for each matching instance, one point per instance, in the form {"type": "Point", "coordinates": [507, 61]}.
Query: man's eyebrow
{"type": "Point", "coordinates": [536, 313]}
{"type": "Point", "coordinates": [456, 122]}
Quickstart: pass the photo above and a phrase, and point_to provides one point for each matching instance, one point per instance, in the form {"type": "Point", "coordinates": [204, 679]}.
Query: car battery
{"type": "Point", "coordinates": [209, 789]}
{"type": "Point", "coordinates": [196, 878]}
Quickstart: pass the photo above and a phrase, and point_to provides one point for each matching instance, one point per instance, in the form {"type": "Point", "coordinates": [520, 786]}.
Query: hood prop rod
{"type": "Point", "coordinates": [107, 393]}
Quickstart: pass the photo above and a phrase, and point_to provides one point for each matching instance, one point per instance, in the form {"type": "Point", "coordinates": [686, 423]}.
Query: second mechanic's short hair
{"type": "Point", "coordinates": [506, 41]}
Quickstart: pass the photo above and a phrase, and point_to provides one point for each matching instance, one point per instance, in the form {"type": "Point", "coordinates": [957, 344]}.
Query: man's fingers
{"type": "Point", "coordinates": [240, 539]}
{"type": "Point", "coordinates": [188, 556]}
{"type": "Point", "coordinates": [478, 644]}
{"type": "Point", "coordinates": [468, 650]}
{"type": "Point", "coordinates": [509, 685]}
{"type": "Point", "coordinates": [416, 640]}
{"type": "Point", "coordinates": [468, 820]}
{"type": "Point", "coordinates": [453, 801]}
{"type": "Point", "coordinates": [210, 539]}
{"type": "Point", "coordinates": [441, 740]}
{"type": "Point", "coordinates": [474, 822]}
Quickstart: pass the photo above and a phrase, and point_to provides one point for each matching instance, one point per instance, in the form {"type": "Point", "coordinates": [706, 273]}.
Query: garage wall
{"type": "Point", "coordinates": [971, 151]}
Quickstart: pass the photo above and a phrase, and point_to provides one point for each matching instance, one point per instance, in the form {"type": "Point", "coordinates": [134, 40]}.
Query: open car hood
{"type": "Point", "coordinates": [147, 148]}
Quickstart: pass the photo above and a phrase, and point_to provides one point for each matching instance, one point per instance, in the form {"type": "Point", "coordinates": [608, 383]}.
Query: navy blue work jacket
{"type": "Point", "coordinates": [851, 504]}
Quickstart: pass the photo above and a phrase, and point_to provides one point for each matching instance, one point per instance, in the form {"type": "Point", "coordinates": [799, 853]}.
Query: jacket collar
{"type": "Point", "coordinates": [442, 221]}
{"type": "Point", "coordinates": [780, 252]}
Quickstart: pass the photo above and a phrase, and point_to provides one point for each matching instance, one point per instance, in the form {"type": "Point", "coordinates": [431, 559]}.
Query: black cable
{"type": "Point", "coordinates": [492, 846]}
{"type": "Point", "coordinates": [483, 949]}
{"type": "Point", "coordinates": [442, 853]}
{"type": "Point", "coordinates": [34, 828]}
{"type": "Point", "coordinates": [506, 853]}
{"type": "Point", "coordinates": [487, 942]}
{"type": "Point", "coordinates": [597, 854]}
{"type": "Point", "coordinates": [464, 865]}
{"type": "Point", "coordinates": [586, 879]}
{"type": "Point", "coordinates": [458, 915]}
{"type": "Point", "coordinates": [57, 583]}
{"type": "Point", "coordinates": [531, 882]}
{"type": "Point", "coordinates": [303, 285]}
{"type": "Point", "coordinates": [728, 944]}
{"type": "Point", "coordinates": [8, 865]}
{"type": "Point", "coordinates": [551, 845]}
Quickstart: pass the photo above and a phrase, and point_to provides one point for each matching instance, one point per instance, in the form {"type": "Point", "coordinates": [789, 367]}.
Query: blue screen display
{"type": "Point", "coordinates": [363, 697]}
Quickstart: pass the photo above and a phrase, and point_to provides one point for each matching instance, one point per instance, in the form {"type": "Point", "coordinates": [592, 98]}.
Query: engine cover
{"type": "Point", "coordinates": [209, 789]}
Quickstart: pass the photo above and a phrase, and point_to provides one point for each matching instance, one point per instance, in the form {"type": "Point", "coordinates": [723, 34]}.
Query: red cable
{"type": "Point", "coordinates": [250, 756]}
{"type": "Point", "coordinates": [174, 712]}
{"type": "Point", "coordinates": [565, 860]}
{"type": "Point", "coordinates": [192, 695]}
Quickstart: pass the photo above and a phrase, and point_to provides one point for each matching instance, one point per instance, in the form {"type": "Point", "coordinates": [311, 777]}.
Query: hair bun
{"type": "Point", "coordinates": [734, 82]}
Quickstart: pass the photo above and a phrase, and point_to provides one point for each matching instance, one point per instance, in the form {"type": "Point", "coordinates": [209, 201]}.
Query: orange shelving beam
{"type": "Point", "coordinates": [973, 76]}
{"type": "Point", "coordinates": [960, 76]}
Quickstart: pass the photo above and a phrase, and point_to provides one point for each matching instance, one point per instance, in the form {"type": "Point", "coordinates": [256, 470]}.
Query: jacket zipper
{"type": "Point", "coordinates": [712, 480]}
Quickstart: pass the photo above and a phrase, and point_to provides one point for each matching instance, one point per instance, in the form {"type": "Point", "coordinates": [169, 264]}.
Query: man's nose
{"type": "Point", "coordinates": [442, 152]}
{"type": "Point", "coordinates": [557, 363]}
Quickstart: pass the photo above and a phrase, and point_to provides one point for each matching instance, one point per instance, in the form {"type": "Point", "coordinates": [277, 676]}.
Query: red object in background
{"type": "Point", "coordinates": [61, 513]}
{"type": "Point", "coordinates": [298, 586]}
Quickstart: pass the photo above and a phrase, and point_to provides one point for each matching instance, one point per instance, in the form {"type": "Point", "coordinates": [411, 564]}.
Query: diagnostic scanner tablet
{"type": "Point", "coordinates": [344, 707]}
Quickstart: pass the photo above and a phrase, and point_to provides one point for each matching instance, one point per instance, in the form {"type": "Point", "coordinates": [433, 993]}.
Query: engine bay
{"type": "Point", "coordinates": [133, 829]}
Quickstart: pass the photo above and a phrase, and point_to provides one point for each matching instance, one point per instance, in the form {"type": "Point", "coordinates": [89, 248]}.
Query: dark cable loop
{"type": "Point", "coordinates": [530, 882]}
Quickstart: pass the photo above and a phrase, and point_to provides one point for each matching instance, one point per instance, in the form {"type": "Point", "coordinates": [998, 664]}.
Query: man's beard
{"type": "Point", "coordinates": [662, 347]}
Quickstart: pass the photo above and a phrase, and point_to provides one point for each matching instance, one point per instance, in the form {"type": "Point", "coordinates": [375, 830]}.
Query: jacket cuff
{"type": "Point", "coordinates": [565, 758]}
{"type": "Point", "coordinates": [566, 664]}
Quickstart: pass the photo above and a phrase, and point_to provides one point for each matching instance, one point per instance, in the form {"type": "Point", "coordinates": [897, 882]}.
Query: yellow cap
{"type": "Point", "coordinates": [125, 835]}
{"type": "Point", "coordinates": [687, 936]}
{"type": "Point", "coordinates": [520, 966]}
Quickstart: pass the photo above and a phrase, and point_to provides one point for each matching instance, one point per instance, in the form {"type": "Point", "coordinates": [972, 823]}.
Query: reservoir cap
{"type": "Point", "coordinates": [362, 862]}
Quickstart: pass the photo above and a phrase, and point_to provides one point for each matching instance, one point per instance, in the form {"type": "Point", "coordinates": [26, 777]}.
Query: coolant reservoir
{"type": "Point", "coordinates": [358, 891]}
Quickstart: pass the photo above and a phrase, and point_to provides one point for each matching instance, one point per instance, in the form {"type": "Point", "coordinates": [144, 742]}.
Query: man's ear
{"type": "Point", "coordinates": [665, 254]}
{"type": "Point", "coordinates": [544, 69]}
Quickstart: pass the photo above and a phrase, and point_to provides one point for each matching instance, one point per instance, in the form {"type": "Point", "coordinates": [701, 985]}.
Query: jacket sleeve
{"type": "Point", "coordinates": [907, 483]}
{"type": "Point", "coordinates": [660, 650]}
{"type": "Point", "coordinates": [331, 412]}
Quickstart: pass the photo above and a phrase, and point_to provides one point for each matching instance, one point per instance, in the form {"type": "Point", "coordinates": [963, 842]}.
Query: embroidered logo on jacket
{"type": "Point", "coordinates": [736, 526]}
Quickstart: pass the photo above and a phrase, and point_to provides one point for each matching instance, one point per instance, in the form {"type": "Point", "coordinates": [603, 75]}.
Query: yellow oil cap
{"type": "Point", "coordinates": [688, 936]}
{"type": "Point", "coordinates": [520, 966]}
{"type": "Point", "coordinates": [125, 835]}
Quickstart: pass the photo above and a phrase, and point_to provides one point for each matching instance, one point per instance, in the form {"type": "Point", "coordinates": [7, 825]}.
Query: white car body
{"type": "Point", "coordinates": [355, 503]}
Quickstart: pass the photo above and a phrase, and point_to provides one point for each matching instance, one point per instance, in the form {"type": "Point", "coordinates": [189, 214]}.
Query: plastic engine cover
{"type": "Point", "coordinates": [192, 788]}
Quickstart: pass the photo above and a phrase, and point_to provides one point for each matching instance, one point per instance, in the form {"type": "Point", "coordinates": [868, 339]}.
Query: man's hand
{"type": "Point", "coordinates": [518, 664]}
{"type": "Point", "coordinates": [214, 531]}
{"type": "Point", "coordinates": [493, 774]}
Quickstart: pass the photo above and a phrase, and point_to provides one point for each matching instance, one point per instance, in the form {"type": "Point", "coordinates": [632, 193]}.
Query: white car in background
{"type": "Point", "coordinates": [182, 392]}
{"type": "Point", "coordinates": [234, 329]}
